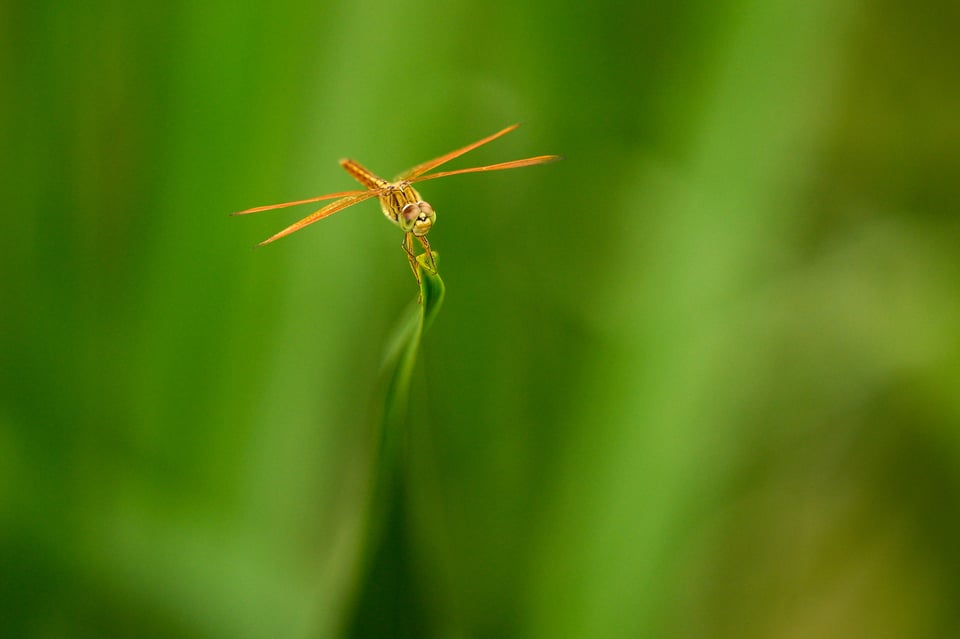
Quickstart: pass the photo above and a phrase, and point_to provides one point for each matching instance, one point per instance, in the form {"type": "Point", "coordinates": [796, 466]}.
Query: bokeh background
{"type": "Point", "coordinates": [700, 379]}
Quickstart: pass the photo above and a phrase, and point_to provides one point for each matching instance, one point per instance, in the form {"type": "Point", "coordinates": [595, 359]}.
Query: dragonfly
{"type": "Point", "coordinates": [399, 200]}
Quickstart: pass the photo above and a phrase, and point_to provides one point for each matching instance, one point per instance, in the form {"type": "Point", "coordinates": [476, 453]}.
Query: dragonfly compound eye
{"type": "Point", "coordinates": [418, 218]}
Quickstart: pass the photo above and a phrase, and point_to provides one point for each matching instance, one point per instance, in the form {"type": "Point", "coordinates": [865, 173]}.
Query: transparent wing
{"type": "Point", "coordinates": [328, 210]}
{"type": "Point", "coordinates": [513, 164]}
{"type": "Point", "coordinates": [420, 169]}
{"type": "Point", "coordinates": [319, 198]}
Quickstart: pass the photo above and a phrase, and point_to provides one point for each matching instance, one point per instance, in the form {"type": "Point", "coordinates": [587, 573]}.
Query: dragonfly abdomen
{"type": "Point", "coordinates": [363, 175]}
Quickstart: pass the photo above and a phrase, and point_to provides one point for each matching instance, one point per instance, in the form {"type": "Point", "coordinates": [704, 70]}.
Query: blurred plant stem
{"type": "Point", "coordinates": [387, 599]}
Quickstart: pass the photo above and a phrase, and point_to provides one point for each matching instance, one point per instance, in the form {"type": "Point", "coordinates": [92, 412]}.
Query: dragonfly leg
{"type": "Point", "coordinates": [407, 245]}
{"type": "Point", "coordinates": [426, 246]}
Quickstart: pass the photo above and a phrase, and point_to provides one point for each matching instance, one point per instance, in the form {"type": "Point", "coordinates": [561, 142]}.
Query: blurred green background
{"type": "Point", "coordinates": [700, 379]}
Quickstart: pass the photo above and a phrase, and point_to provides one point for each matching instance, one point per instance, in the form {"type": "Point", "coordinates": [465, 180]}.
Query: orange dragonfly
{"type": "Point", "coordinates": [399, 200]}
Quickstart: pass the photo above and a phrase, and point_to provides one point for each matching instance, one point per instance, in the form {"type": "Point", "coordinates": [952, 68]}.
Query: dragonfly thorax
{"type": "Point", "coordinates": [404, 207]}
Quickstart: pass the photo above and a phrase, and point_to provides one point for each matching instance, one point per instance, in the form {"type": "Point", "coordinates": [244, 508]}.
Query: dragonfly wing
{"type": "Point", "coordinates": [513, 164]}
{"type": "Point", "coordinates": [420, 169]}
{"type": "Point", "coordinates": [326, 211]}
{"type": "Point", "coordinates": [319, 198]}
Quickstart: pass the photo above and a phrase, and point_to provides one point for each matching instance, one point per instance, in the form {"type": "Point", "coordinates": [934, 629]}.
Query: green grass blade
{"type": "Point", "coordinates": [386, 596]}
{"type": "Point", "coordinates": [403, 347]}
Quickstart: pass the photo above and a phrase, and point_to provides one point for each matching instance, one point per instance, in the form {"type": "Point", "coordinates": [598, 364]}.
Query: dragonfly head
{"type": "Point", "coordinates": [417, 218]}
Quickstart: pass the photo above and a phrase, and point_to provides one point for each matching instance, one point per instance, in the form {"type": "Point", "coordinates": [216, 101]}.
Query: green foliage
{"type": "Point", "coordinates": [697, 380]}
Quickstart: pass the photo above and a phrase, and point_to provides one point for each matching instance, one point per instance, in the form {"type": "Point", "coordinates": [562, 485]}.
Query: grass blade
{"type": "Point", "coordinates": [387, 599]}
